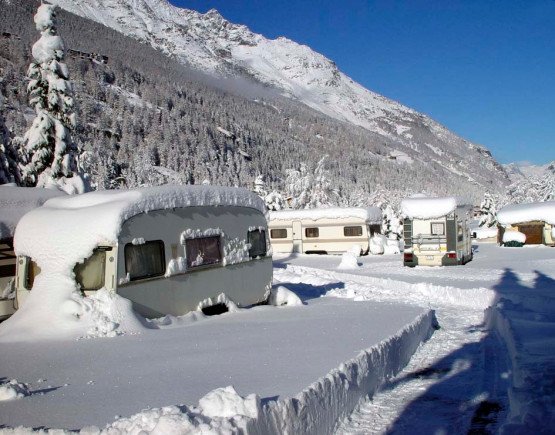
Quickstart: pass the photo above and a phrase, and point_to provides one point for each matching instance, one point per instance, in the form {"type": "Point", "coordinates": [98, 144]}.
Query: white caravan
{"type": "Point", "coordinates": [323, 230]}
{"type": "Point", "coordinates": [436, 231]}
{"type": "Point", "coordinates": [168, 249]}
{"type": "Point", "coordinates": [14, 203]}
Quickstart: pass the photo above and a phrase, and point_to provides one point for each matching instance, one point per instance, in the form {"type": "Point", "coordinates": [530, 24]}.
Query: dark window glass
{"type": "Point", "coordinates": [90, 274]}
{"type": "Point", "coordinates": [460, 234]}
{"type": "Point", "coordinates": [7, 260]}
{"type": "Point", "coordinates": [278, 233]}
{"type": "Point", "coordinates": [145, 261]}
{"type": "Point", "coordinates": [352, 231]}
{"type": "Point", "coordinates": [257, 240]}
{"type": "Point", "coordinates": [374, 229]}
{"type": "Point", "coordinates": [311, 232]}
{"type": "Point", "coordinates": [32, 271]}
{"type": "Point", "coordinates": [203, 251]}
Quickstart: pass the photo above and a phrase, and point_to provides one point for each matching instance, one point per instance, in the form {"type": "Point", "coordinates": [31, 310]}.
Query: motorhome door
{"type": "Point", "coordinates": [297, 237]}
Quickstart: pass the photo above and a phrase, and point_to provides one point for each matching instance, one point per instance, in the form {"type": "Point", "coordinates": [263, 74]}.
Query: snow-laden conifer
{"type": "Point", "coordinates": [9, 171]}
{"type": "Point", "coordinates": [48, 150]}
{"type": "Point", "coordinates": [488, 211]}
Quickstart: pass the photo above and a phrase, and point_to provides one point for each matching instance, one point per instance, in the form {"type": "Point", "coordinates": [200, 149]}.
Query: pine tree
{"type": "Point", "coordinates": [488, 211]}
{"type": "Point", "coordinates": [9, 171]}
{"type": "Point", "coordinates": [49, 152]}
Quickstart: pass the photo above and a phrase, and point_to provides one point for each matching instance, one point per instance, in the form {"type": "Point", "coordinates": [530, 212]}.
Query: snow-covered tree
{"type": "Point", "coordinates": [392, 226]}
{"type": "Point", "coordinates": [9, 171]}
{"type": "Point", "coordinates": [310, 187]}
{"type": "Point", "coordinates": [48, 150]}
{"type": "Point", "coordinates": [260, 186]}
{"type": "Point", "coordinates": [274, 201]}
{"type": "Point", "coordinates": [488, 211]}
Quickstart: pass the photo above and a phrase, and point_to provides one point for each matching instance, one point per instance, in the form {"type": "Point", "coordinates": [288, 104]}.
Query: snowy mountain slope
{"type": "Point", "coordinates": [518, 171]}
{"type": "Point", "coordinates": [211, 44]}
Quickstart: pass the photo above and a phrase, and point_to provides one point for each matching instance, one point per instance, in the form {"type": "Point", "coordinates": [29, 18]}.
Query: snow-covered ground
{"type": "Point", "coordinates": [335, 364]}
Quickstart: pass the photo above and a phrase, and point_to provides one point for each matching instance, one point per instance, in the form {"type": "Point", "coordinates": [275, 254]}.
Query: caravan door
{"type": "Point", "coordinates": [297, 237]}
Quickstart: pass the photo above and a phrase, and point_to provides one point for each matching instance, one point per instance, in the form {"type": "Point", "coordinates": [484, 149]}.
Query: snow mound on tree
{"type": "Point", "coordinates": [377, 244]}
{"type": "Point", "coordinates": [535, 211]}
{"type": "Point", "coordinates": [13, 390]}
{"type": "Point", "coordinates": [429, 208]}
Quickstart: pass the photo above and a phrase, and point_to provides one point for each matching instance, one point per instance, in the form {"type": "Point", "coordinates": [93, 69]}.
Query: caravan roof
{"type": "Point", "coordinates": [371, 215]}
{"type": "Point", "coordinates": [430, 208]}
{"type": "Point", "coordinates": [534, 211]}
{"type": "Point", "coordinates": [68, 229]}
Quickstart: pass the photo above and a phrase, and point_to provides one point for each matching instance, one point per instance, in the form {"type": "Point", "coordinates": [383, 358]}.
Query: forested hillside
{"type": "Point", "coordinates": [145, 119]}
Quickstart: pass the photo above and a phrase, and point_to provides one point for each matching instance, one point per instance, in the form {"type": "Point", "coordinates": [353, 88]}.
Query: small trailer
{"type": "Point", "coordinates": [323, 230]}
{"type": "Point", "coordinates": [168, 249]}
{"type": "Point", "coordinates": [14, 203]}
{"type": "Point", "coordinates": [436, 231]}
{"type": "Point", "coordinates": [535, 221]}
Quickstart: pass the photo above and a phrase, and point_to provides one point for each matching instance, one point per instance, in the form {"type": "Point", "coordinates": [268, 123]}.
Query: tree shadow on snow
{"type": "Point", "coordinates": [448, 405]}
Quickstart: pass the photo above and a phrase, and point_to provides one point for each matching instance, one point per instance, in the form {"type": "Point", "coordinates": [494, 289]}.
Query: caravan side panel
{"type": "Point", "coordinates": [245, 282]}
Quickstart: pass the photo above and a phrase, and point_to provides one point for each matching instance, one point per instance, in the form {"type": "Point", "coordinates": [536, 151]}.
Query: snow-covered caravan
{"type": "Point", "coordinates": [168, 249]}
{"type": "Point", "coordinates": [436, 231]}
{"type": "Point", "coordinates": [14, 203]}
{"type": "Point", "coordinates": [323, 230]}
{"type": "Point", "coordinates": [535, 221]}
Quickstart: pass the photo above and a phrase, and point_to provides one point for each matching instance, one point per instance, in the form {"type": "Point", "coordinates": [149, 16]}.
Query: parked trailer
{"type": "Point", "coordinates": [323, 230]}
{"type": "Point", "coordinates": [168, 249]}
{"type": "Point", "coordinates": [436, 231]}
{"type": "Point", "coordinates": [14, 203]}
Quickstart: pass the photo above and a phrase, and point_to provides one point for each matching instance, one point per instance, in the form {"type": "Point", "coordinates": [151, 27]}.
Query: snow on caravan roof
{"type": "Point", "coordinates": [534, 211]}
{"type": "Point", "coordinates": [369, 214]}
{"type": "Point", "coordinates": [16, 201]}
{"type": "Point", "coordinates": [66, 230]}
{"type": "Point", "coordinates": [429, 208]}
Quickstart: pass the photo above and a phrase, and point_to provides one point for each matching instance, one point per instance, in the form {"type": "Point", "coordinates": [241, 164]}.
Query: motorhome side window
{"type": "Point", "coordinates": [257, 240]}
{"type": "Point", "coordinates": [460, 234]}
{"type": "Point", "coordinates": [438, 228]}
{"type": "Point", "coordinates": [90, 274]}
{"type": "Point", "coordinates": [352, 231]}
{"type": "Point", "coordinates": [311, 232]}
{"type": "Point", "coordinates": [278, 233]}
{"type": "Point", "coordinates": [203, 251]}
{"type": "Point", "coordinates": [146, 260]}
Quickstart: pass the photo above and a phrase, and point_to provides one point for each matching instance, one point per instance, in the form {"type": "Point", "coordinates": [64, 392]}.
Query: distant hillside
{"type": "Point", "coordinates": [146, 118]}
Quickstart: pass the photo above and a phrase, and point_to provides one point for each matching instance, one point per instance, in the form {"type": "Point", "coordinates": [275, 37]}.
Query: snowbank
{"type": "Point", "coordinates": [377, 244]}
{"type": "Point", "coordinates": [371, 215]}
{"type": "Point", "coordinates": [514, 236]}
{"type": "Point", "coordinates": [283, 296]}
{"type": "Point", "coordinates": [13, 390]}
{"type": "Point", "coordinates": [535, 211]}
{"type": "Point", "coordinates": [485, 233]}
{"type": "Point", "coordinates": [16, 201]}
{"type": "Point", "coordinates": [429, 208]}
{"type": "Point", "coordinates": [348, 261]}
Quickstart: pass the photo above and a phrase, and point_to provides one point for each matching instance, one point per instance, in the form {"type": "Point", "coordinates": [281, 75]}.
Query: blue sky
{"type": "Point", "coordinates": [483, 68]}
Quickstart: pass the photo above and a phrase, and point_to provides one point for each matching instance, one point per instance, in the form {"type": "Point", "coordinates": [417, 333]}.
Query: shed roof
{"type": "Point", "coordinates": [371, 215]}
{"type": "Point", "coordinates": [520, 213]}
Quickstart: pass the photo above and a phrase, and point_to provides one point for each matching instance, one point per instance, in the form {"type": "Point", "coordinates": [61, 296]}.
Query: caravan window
{"type": "Point", "coordinates": [278, 233]}
{"type": "Point", "coordinates": [146, 260]}
{"type": "Point", "coordinates": [257, 240]}
{"type": "Point", "coordinates": [203, 251]}
{"type": "Point", "coordinates": [311, 232]}
{"type": "Point", "coordinates": [437, 228]}
{"type": "Point", "coordinates": [90, 274]}
{"type": "Point", "coordinates": [32, 271]}
{"type": "Point", "coordinates": [352, 231]}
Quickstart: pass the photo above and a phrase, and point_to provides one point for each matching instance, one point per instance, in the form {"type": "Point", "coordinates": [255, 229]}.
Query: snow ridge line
{"type": "Point", "coordinates": [424, 294]}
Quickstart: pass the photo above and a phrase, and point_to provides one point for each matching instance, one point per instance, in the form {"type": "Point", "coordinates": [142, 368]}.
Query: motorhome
{"type": "Point", "coordinates": [323, 230]}
{"type": "Point", "coordinates": [436, 231]}
{"type": "Point", "coordinates": [535, 221]}
{"type": "Point", "coordinates": [14, 203]}
{"type": "Point", "coordinates": [168, 249]}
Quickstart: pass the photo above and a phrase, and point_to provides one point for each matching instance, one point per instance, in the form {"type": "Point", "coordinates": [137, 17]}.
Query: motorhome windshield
{"type": "Point", "coordinates": [90, 274]}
